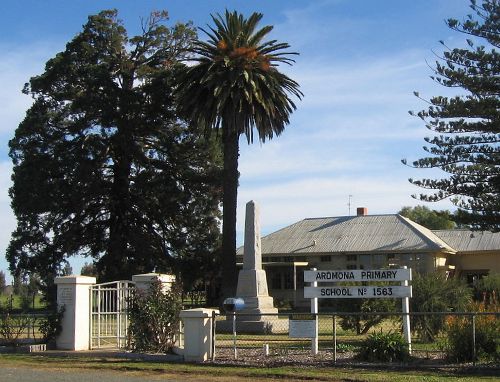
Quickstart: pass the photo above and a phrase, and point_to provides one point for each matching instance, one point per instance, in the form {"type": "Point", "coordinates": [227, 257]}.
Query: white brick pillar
{"type": "Point", "coordinates": [143, 282]}
{"type": "Point", "coordinates": [73, 292]}
{"type": "Point", "coordinates": [198, 339]}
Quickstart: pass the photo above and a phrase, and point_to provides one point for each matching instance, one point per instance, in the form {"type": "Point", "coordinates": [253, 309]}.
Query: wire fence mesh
{"type": "Point", "coordinates": [285, 337]}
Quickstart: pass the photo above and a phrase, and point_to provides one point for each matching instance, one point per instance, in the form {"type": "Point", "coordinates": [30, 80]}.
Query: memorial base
{"type": "Point", "coordinates": [253, 323]}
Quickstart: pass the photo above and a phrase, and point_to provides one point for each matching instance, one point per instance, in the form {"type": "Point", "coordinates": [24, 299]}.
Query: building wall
{"type": "Point", "coordinates": [481, 263]}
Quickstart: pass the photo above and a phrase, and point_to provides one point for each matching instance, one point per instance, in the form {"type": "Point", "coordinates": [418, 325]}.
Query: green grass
{"type": "Point", "coordinates": [216, 372]}
{"type": "Point", "coordinates": [16, 301]}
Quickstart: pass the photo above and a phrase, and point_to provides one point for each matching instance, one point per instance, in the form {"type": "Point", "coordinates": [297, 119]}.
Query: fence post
{"type": "Point", "coordinates": [474, 339]}
{"type": "Point", "coordinates": [213, 334]}
{"type": "Point", "coordinates": [314, 311]}
{"type": "Point", "coordinates": [334, 338]}
{"type": "Point", "coordinates": [73, 292]}
{"type": "Point", "coordinates": [197, 334]}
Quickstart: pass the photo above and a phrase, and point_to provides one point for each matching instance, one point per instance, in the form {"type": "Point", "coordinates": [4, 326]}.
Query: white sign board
{"type": "Point", "coordinates": [358, 292]}
{"type": "Point", "coordinates": [302, 328]}
{"type": "Point", "coordinates": [358, 275]}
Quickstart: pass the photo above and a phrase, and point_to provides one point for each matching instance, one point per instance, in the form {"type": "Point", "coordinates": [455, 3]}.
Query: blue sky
{"type": "Point", "coordinates": [359, 63]}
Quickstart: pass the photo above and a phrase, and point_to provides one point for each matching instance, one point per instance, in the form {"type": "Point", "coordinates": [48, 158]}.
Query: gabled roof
{"type": "Point", "coordinates": [353, 234]}
{"type": "Point", "coordinates": [464, 240]}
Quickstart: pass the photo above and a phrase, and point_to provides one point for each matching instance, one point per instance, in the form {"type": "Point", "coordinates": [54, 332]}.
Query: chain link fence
{"type": "Point", "coordinates": [285, 337]}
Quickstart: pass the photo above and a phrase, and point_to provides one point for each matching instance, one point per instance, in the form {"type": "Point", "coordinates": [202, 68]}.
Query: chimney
{"type": "Point", "coordinates": [362, 211]}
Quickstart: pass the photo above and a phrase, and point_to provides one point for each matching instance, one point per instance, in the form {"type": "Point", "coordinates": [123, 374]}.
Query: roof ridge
{"type": "Point", "coordinates": [424, 233]}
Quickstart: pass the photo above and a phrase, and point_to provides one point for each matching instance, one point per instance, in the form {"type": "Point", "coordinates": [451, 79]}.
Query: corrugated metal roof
{"type": "Point", "coordinates": [352, 234]}
{"type": "Point", "coordinates": [464, 240]}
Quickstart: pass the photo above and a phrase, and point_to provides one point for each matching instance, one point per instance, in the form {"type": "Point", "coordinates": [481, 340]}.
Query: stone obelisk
{"type": "Point", "coordinates": [252, 282]}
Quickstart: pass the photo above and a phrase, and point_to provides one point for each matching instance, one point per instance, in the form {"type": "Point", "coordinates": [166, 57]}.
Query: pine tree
{"type": "Point", "coordinates": [103, 167]}
{"type": "Point", "coordinates": [467, 126]}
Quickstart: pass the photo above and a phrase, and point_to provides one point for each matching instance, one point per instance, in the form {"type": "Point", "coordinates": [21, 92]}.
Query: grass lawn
{"type": "Point", "coordinates": [209, 372]}
{"type": "Point", "coordinates": [16, 301]}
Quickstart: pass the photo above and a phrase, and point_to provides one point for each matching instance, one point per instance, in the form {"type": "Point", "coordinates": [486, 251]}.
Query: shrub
{"type": "Point", "coordinates": [458, 343]}
{"type": "Point", "coordinates": [487, 285]}
{"type": "Point", "coordinates": [434, 293]}
{"type": "Point", "coordinates": [384, 347]}
{"type": "Point", "coordinates": [12, 325]}
{"type": "Point", "coordinates": [362, 323]}
{"type": "Point", "coordinates": [51, 326]}
{"type": "Point", "coordinates": [154, 318]}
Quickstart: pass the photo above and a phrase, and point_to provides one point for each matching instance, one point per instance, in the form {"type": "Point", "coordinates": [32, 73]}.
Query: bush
{"type": "Point", "coordinates": [487, 286]}
{"type": "Point", "coordinates": [434, 293]}
{"type": "Point", "coordinates": [154, 318]}
{"type": "Point", "coordinates": [51, 326]}
{"type": "Point", "coordinates": [458, 343]}
{"type": "Point", "coordinates": [384, 347]}
{"type": "Point", "coordinates": [12, 325]}
{"type": "Point", "coordinates": [362, 323]}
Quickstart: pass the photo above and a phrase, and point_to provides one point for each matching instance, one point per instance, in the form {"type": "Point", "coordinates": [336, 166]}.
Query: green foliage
{"type": "Point", "coordinates": [359, 322]}
{"type": "Point", "coordinates": [2, 282]}
{"type": "Point", "coordinates": [236, 88]}
{"type": "Point", "coordinates": [487, 286]}
{"type": "Point", "coordinates": [384, 347]}
{"type": "Point", "coordinates": [88, 269]}
{"type": "Point", "coordinates": [433, 293]}
{"type": "Point", "coordinates": [51, 325]}
{"type": "Point", "coordinates": [104, 167]}
{"type": "Point", "coordinates": [466, 126]}
{"type": "Point", "coordinates": [154, 318]}
{"type": "Point", "coordinates": [458, 344]}
{"type": "Point", "coordinates": [428, 218]}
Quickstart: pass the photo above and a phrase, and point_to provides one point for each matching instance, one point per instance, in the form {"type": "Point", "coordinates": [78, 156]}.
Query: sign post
{"type": "Point", "coordinates": [314, 311]}
{"type": "Point", "coordinates": [406, 316]}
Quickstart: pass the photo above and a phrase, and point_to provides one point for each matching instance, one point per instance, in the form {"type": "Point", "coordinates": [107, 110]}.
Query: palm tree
{"type": "Point", "coordinates": [234, 88]}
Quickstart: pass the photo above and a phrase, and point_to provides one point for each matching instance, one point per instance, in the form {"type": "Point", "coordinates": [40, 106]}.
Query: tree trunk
{"type": "Point", "coordinates": [229, 204]}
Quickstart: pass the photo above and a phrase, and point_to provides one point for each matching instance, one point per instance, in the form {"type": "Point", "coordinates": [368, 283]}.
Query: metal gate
{"type": "Point", "coordinates": [108, 314]}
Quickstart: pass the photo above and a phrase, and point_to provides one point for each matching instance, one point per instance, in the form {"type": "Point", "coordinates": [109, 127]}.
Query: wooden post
{"type": "Point", "coordinates": [406, 316]}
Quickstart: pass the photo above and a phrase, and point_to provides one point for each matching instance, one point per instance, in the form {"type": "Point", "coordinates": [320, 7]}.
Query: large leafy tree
{"type": "Point", "coordinates": [103, 167]}
{"type": "Point", "coordinates": [467, 126]}
{"type": "Point", "coordinates": [428, 218]}
{"type": "Point", "coordinates": [235, 87]}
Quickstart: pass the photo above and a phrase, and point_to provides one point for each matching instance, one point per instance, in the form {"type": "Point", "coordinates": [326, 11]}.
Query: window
{"type": "Point", "coordinates": [379, 261]}
{"type": "Point", "coordinates": [365, 261]}
{"type": "Point", "coordinates": [351, 266]}
{"type": "Point", "coordinates": [326, 259]}
{"type": "Point", "coordinates": [473, 277]}
{"type": "Point", "coordinates": [352, 258]}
